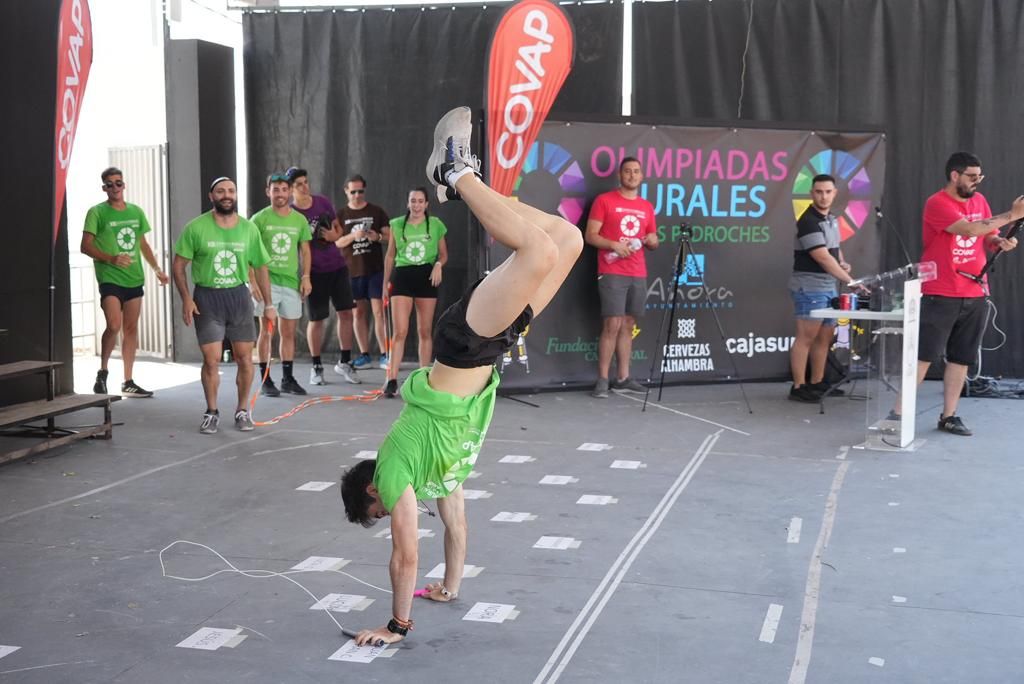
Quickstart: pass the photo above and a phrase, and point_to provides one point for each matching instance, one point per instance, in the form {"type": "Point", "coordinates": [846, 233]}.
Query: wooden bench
{"type": "Point", "coordinates": [20, 415]}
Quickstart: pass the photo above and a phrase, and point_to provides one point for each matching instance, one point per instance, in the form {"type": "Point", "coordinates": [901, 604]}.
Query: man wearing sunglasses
{"type": "Point", "coordinates": [958, 231]}
{"type": "Point", "coordinates": [114, 237]}
{"type": "Point", "coordinates": [363, 234]}
{"type": "Point", "coordinates": [286, 235]}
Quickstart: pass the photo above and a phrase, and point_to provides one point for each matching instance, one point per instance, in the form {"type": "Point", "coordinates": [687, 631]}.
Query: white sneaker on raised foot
{"type": "Point", "coordinates": [346, 371]}
{"type": "Point", "coordinates": [451, 152]}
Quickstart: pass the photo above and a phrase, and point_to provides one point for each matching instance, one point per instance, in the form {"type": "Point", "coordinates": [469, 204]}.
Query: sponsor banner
{"type": "Point", "coordinates": [74, 58]}
{"type": "Point", "coordinates": [740, 191]}
{"type": "Point", "coordinates": [530, 57]}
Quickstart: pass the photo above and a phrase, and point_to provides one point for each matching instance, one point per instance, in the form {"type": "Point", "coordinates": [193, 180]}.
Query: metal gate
{"type": "Point", "coordinates": [145, 176]}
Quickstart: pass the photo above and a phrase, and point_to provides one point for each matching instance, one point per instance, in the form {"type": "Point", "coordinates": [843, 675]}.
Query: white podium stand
{"type": "Point", "coordinates": [891, 383]}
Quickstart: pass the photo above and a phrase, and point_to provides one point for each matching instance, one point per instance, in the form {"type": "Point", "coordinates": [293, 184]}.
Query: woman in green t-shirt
{"type": "Point", "coordinates": [417, 253]}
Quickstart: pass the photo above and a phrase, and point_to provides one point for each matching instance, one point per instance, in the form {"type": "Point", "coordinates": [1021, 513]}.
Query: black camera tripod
{"type": "Point", "coordinates": [682, 256]}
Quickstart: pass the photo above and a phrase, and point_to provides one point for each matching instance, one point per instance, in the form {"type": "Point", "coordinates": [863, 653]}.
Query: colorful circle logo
{"type": "Point", "coordinates": [556, 163]}
{"type": "Point", "coordinates": [853, 183]}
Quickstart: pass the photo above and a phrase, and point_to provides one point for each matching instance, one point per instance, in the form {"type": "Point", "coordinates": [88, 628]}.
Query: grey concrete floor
{"type": "Point", "coordinates": [878, 567]}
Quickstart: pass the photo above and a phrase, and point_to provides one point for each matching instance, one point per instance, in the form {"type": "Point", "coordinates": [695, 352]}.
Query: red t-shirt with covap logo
{"type": "Point", "coordinates": [952, 253]}
{"type": "Point", "coordinates": [623, 219]}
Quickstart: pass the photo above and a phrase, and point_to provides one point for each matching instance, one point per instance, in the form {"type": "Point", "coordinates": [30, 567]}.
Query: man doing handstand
{"type": "Point", "coordinates": [432, 446]}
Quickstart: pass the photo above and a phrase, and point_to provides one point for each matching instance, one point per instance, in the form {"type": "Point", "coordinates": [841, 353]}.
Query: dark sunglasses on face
{"type": "Point", "coordinates": [109, 184]}
{"type": "Point", "coordinates": [356, 191]}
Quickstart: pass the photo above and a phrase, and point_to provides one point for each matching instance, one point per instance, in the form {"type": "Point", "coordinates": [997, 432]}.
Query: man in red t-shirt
{"type": "Point", "coordinates": [621, 225]}
{"type": "Point", "coordinates": [958, 227]}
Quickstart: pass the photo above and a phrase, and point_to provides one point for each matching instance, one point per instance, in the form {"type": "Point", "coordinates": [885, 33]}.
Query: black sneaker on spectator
{"type": "Point", "coordinates": [822, 387]}
{"type": "Point", "coordinates": [953, 425]}
{"type": "Point", "coordinates": [269, 389]}
{"type": "Point", "coordinates": [130, 389]}
{"type": "Point", "coordinates": [804, 394]}
{"type": "Point", "coordinates": [291, 386]}
{"type": "Point", "coordinates": [628, 385]}
{"type": "Point", "coordinates": [600, 390]}
{"type": "Point", "coordinates": [100, 386]}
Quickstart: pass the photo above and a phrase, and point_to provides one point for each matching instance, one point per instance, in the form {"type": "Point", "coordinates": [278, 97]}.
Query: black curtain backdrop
{"type": "Point", "coordinates": [343, 92]}
{"type": "Point", "coordinates": [28, 36]}
{"type": "Point", "coordinates": [937, 75]}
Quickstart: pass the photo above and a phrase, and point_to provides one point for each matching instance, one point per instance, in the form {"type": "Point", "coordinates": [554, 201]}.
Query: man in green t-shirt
{"type": "Point", "coordinates": [286, 235]}
{"type": "Point", "coordinates": [222, 246]}
{"type": "Point", "coordinates": [114, 236]}
{"type": "Point", "coordinates": [431, 448]}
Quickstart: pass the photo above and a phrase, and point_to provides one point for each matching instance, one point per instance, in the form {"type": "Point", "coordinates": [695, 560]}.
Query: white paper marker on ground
{"type": "Point", "coordinates": [771, 623]}
{"type": "Point", "coordinates": [593, 446]}
{"type": "Point", "coordinates": [210, 638]}
{"type": "Point", "coordinates": [627, 465]}
{"type": "Point", "coordinates": [342, 603]}
{"type": "Point", "coordinates": [7, 650]}
{"type": "Point", "coordinates": [506, 516]}
{"type": "Point", "coordinates": [366, 454]}
{"type": "Point", "coordinates": [514, 458]}
{"type": "Point", "coordinates": [420, 533]}
{"type": "Point", "coordinates": [558, 543]}
{"type": "Point", "coordinates": [350, 653]}
{"type": "Point", "coordinates": [476, 494]}
{"type": "Point", "coordinates": [321, 564]}
{"type": "Point", "coordinates": [558, 480]}
{"type": "Point", "coordinates": [467, 571]}
{"type": "Point", "coordinates": [314, 486]}
{"type": "Point", "coordinates": [491, 612]}
{"type": "Point", "coordinates": [877, 662]}
{"type": "Point", "coordinates": [596, 499]}
{"type": "Point", "coordinates": [795, 525]}
{"type": "Point", "coordinates": [899, 599]}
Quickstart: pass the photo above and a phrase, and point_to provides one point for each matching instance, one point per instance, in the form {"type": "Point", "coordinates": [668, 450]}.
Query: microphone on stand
{"type": "Point", "coordinates": [899, 238]}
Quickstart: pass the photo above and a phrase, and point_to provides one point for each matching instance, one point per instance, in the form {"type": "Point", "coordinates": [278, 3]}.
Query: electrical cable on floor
{"type": "Point", "coordinates": [259, 574]}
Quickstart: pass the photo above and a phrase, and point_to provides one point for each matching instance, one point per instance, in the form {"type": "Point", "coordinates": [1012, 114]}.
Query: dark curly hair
{"type": "Point", "coordinates": [354, 494]}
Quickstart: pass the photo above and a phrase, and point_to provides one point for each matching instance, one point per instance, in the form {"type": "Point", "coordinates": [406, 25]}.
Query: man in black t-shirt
{"type": "Point", "coordinates": [817, 264]}
{"type": "Point", "coordinates": [364, 233]}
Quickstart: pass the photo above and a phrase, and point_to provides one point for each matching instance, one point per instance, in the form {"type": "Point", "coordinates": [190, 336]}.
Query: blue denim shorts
{"type": "Point", "coordinates": [804, 302]}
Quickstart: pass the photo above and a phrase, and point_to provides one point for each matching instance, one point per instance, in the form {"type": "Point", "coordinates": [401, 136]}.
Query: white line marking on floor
{"type": "Point", "coordinates": [771, 623]}
{"type": "Point", "coordinates": [8, 650]}
{"type": "Point", "coordinates": [878, 662]}
{"type": "Point", "coordinates": [899, 599]}
{"type": "Point", "coordinates": [812, 589]}
{"type": "Point", "coordinates": [293, 448]}
{"type": "Point", "coordinates": [564, 651]}
{"type": "Point", "coordinates": [898, 549]}
{"type": "Point", "coordinates": [43, 667]}
{"type": "Point", "coordinates": [132, 478]}
{"type": "Point", "coordinates": [795, 525]}
{"type": "Point", "coordinates": [843, 451]}
{"type": "Point", "coordinates": [687, 415]}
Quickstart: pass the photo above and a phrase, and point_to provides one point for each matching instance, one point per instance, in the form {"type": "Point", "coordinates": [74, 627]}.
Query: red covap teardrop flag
{"type": "Point", "coordinates": [74, 57]}
{"type": "Point", "coordinates": [531, 55]}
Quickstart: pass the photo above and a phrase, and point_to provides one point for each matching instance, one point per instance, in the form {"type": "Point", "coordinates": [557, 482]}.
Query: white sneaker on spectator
{"type": "Point", "coordinates": [346, 371]}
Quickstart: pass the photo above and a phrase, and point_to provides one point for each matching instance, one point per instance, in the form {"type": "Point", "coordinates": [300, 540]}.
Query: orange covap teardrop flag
{"type": "Point", "coordinates": [531, 56]}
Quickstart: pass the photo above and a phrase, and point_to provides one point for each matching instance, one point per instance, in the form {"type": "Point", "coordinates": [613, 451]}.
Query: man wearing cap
{"type": "Point", "coordinates": [286, 235]}
{"type": "Point", "coordinates": [364, 229]}
{"type": "Point", "coordinates": [330, 279]}
{"type": "Point", "coordinates": [222, 246]}
{"type": "Point", "coordinates": [115, 237]}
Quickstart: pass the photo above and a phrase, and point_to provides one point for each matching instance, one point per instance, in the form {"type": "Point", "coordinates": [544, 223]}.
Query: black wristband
{"type": "Point", "coordinates": [395, 628]}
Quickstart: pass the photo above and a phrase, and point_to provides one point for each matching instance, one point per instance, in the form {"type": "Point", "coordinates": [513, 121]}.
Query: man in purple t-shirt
{"type": "Point", "coordinates": [329, 278]}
